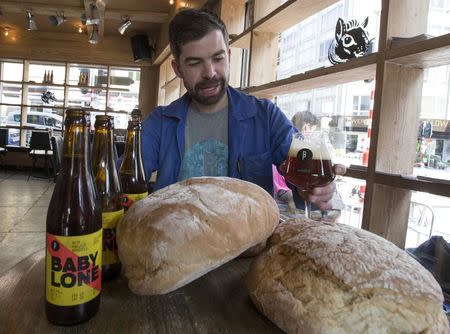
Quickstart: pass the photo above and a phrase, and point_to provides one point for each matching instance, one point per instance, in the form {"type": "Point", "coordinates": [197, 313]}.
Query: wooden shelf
{"type": "Point", "coordinates": [172, 83]}
{"type": "Point", "coordinates": [242, 41]}
{"type": "Point", "coordinates": [291, 13]}
{"type": "Point", "coordinates": [40, 84]}
{"type": "Point", "coordinates": [41, 106]}
{"type": "Point", "coordinates": [10, 104]}
{"type": "Point", "coordinates": [357, 172]}
{"type": "Point", "coordinates": [11, 82]}
{"type": "Point", "coordinates": [86, 87]}
{"type": "Point", "coordinates": [421, 54]}
{"type": "Point", "coordinates": [353, 70]}
{"type": "Point", "coordinates": [432, 186]}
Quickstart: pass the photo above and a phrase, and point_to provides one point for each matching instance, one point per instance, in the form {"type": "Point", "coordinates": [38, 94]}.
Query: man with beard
{"type": "Point", "coordinates": [214, 129]}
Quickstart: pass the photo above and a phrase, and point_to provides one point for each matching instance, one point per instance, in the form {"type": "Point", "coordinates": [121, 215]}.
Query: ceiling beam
{"type": "Point", "coordinates": [75, 12]}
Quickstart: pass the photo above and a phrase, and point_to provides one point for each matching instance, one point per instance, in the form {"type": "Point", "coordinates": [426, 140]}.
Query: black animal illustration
{"type": "Point", "coordinates": [351, 41]}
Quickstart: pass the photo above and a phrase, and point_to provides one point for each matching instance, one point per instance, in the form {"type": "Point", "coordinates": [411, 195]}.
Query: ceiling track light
{"type": "Point", "coordinates": [56, 20]}
{"type": "Point", "coordinates": [126, 22]}
{"type": "Point", "coordinates": [94, 36]}
{"type": "Point", "coordinates": [95, 14]}
{"type": "Point", "coordinates": [31, 24]}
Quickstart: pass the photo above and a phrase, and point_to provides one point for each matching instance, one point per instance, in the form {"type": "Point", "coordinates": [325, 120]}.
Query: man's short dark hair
{"type": "Point", "coordinates": [191, 25]}
{"type": "Point", "coordinates": [304, 117]}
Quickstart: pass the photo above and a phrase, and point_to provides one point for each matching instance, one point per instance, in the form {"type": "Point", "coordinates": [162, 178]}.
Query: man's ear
{"type": "Point", "coordinates": [176, 68]}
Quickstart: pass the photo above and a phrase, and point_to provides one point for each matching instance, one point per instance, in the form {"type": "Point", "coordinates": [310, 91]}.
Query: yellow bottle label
{"type": "Point", "coordinates": [109, 223]}
{"type": "Point", "coordinates": [73, 268]}
{"type": "Point", "coordinates": [130, 199]}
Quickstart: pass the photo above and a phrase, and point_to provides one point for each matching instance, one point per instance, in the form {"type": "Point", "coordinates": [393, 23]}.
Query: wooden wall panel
{"type": "Point", "coordinates": [392, 207]}
{"type": "Point", "coordinates": [148, 91]}
{"type": "Point", "coordinates": [263, 62]}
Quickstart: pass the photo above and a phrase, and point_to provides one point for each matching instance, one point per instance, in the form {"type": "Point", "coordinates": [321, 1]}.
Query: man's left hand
{"type": "Point", "coordinates": [321, 196]}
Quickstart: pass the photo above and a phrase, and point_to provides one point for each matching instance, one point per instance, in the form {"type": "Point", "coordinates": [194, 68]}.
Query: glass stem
{"type": "Point", "coordinates": [307, 209]}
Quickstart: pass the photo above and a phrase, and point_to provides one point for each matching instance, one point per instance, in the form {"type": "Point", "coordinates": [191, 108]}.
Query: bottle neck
{"type": "Point", "coordinates": [132, 162]}
{"type": "Point", "coordinates": [75, 148]}
{"type": "Point", "coordinates": [102, 147]}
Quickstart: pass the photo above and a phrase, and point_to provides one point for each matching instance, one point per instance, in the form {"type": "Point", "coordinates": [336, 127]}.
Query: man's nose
{"type": "Point", "coordinates": [209, 70]}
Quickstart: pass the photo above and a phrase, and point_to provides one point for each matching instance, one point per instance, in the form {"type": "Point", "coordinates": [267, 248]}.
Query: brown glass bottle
{"type": "Point", "coordinates": [131, 172]}
{"type": "Point", "coordinates": [74, 232]}
{"type": "Point", "coordinates": [110, 192]}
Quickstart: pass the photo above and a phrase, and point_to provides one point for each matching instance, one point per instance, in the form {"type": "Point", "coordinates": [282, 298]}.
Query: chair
{"type": "Point", "coordinates": [40, 147]}
{"type": "Point", "coordinates": [3, 143]}
{"type": "Point", "coordinates": [57, 146]}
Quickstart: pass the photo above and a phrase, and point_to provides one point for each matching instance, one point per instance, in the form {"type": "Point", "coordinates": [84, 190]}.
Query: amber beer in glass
{"type": "Point", "coordinates": [309, 163]}
{"type": "Point", "coordinates": [74, 232]}
{"type": "Point", "coordinates": [110, 192]}
{"type": "Point", "coordinates": [131, 172]}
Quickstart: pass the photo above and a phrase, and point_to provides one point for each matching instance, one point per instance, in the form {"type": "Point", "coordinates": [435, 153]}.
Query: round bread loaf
{"type": "Point", "coordinates": [183, 231]}
{"type": "Point", "coordinates": [321, 277]}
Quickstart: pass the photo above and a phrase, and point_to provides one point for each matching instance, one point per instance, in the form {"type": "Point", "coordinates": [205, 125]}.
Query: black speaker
{"type": "Point", "coordinates": [141, 47]}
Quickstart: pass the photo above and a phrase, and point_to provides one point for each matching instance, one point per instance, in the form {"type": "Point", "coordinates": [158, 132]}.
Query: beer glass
{"type": "Point", "coordinates": [309, 163]}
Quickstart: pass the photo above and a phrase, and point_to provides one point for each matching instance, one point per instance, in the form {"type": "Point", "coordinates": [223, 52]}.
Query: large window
{"type": "Point", "coordinates": [33, 95]}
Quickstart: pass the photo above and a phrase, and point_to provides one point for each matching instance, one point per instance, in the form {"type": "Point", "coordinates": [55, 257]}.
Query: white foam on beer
{"type": "Point", "coordinates": [319, 150]}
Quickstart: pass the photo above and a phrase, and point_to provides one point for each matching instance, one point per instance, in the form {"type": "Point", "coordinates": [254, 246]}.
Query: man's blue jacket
{"type": "Point", "coordinates": [259, 135]}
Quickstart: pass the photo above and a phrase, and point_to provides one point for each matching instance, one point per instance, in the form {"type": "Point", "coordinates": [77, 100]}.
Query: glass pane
{"type": "Point", "coordinates": [342, 111]}
{"type": "Point", "coordinates": [45, 96]}
{"type": "Point", "coordinates": [122, 100]}
{"type": "Point", "coordinates": [120, 120]}
{"type": "Point", "coordinates": [127, 79]}
{"type": "Point", "coordinates": [10, 116]}
{"type": "Point", "coordinates": [10, 93]}
{"type": "Point", "coordinates": [47, 73]}
{"type": "Point", "coordinates": [305, 46]}
{"type": "Point", "coordinates": [438, 17]}
{"type": "Point", "coordinates": [11, 71]}
{"type": "Point", "coordinates": [87, 98]}
{"type": "Point", "coordinates": [433, 138]}
{"type": "Point", "coordinates": [88, 75]}
{"type": "Point", "coordinates": [352, 193]}
{"type": "Point", "coordinates": [428, 216]}
{"type": "Point", "coordinates": [44, 118]}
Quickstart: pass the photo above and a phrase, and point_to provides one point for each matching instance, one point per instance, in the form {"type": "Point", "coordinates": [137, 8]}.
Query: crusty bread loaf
{"type": "Point", "coordinates": [321, 277]}
{"type": "Point", "coordinates": [183, 231]}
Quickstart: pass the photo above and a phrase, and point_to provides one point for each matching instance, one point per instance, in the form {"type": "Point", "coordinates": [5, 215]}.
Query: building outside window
{"type": "Point", "coordinates": [344, 110]}
{"type": "Point", "coordinates": [34, 95]}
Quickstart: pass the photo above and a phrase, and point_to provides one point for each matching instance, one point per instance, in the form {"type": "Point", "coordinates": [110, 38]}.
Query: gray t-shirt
{"type": "Point", "coordinates": [205, 144]}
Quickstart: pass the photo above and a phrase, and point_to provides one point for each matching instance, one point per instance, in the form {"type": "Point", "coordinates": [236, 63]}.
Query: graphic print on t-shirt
{"type": "Point", "coordinates": [205, 158]}
{"type": "Point", "coordinates": [205, 144]}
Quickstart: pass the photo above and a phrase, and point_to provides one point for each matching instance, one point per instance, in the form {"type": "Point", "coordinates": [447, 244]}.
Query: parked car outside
{"type": "Point", "coordinates": [35, 119]}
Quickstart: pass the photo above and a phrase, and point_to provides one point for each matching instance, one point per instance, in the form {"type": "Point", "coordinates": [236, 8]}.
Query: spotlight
{"type": "Point", "coordinates": [80, 29]}
{"type": "Point", "coordinates": [171, 2]}
{"type": "Point", "coordinates": [94, 37]}
{"type": "Point", "coordinates": [6, 31]}
{"type": "Point", "coordinates": [126, 22]}
{"type": "Point", "coordinates": [56, 20]}
{"type": "Point", "coordinates": [31, 24]}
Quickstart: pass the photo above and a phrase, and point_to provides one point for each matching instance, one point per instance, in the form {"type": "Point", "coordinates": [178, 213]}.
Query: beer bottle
{"type": "Point", "coordinates": [110, 192]}
{"type": "Point", "coordinates": [74, 232]}
{"type": "Point", "coordinates": [131, 172]}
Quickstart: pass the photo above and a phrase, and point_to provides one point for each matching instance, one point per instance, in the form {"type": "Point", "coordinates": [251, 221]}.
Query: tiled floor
{"type": "Point", "coordinates": [23, 210]}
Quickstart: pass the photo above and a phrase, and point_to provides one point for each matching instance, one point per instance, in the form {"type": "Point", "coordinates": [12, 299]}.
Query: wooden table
{"type": "Point", "coordinates": [215, 303]}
